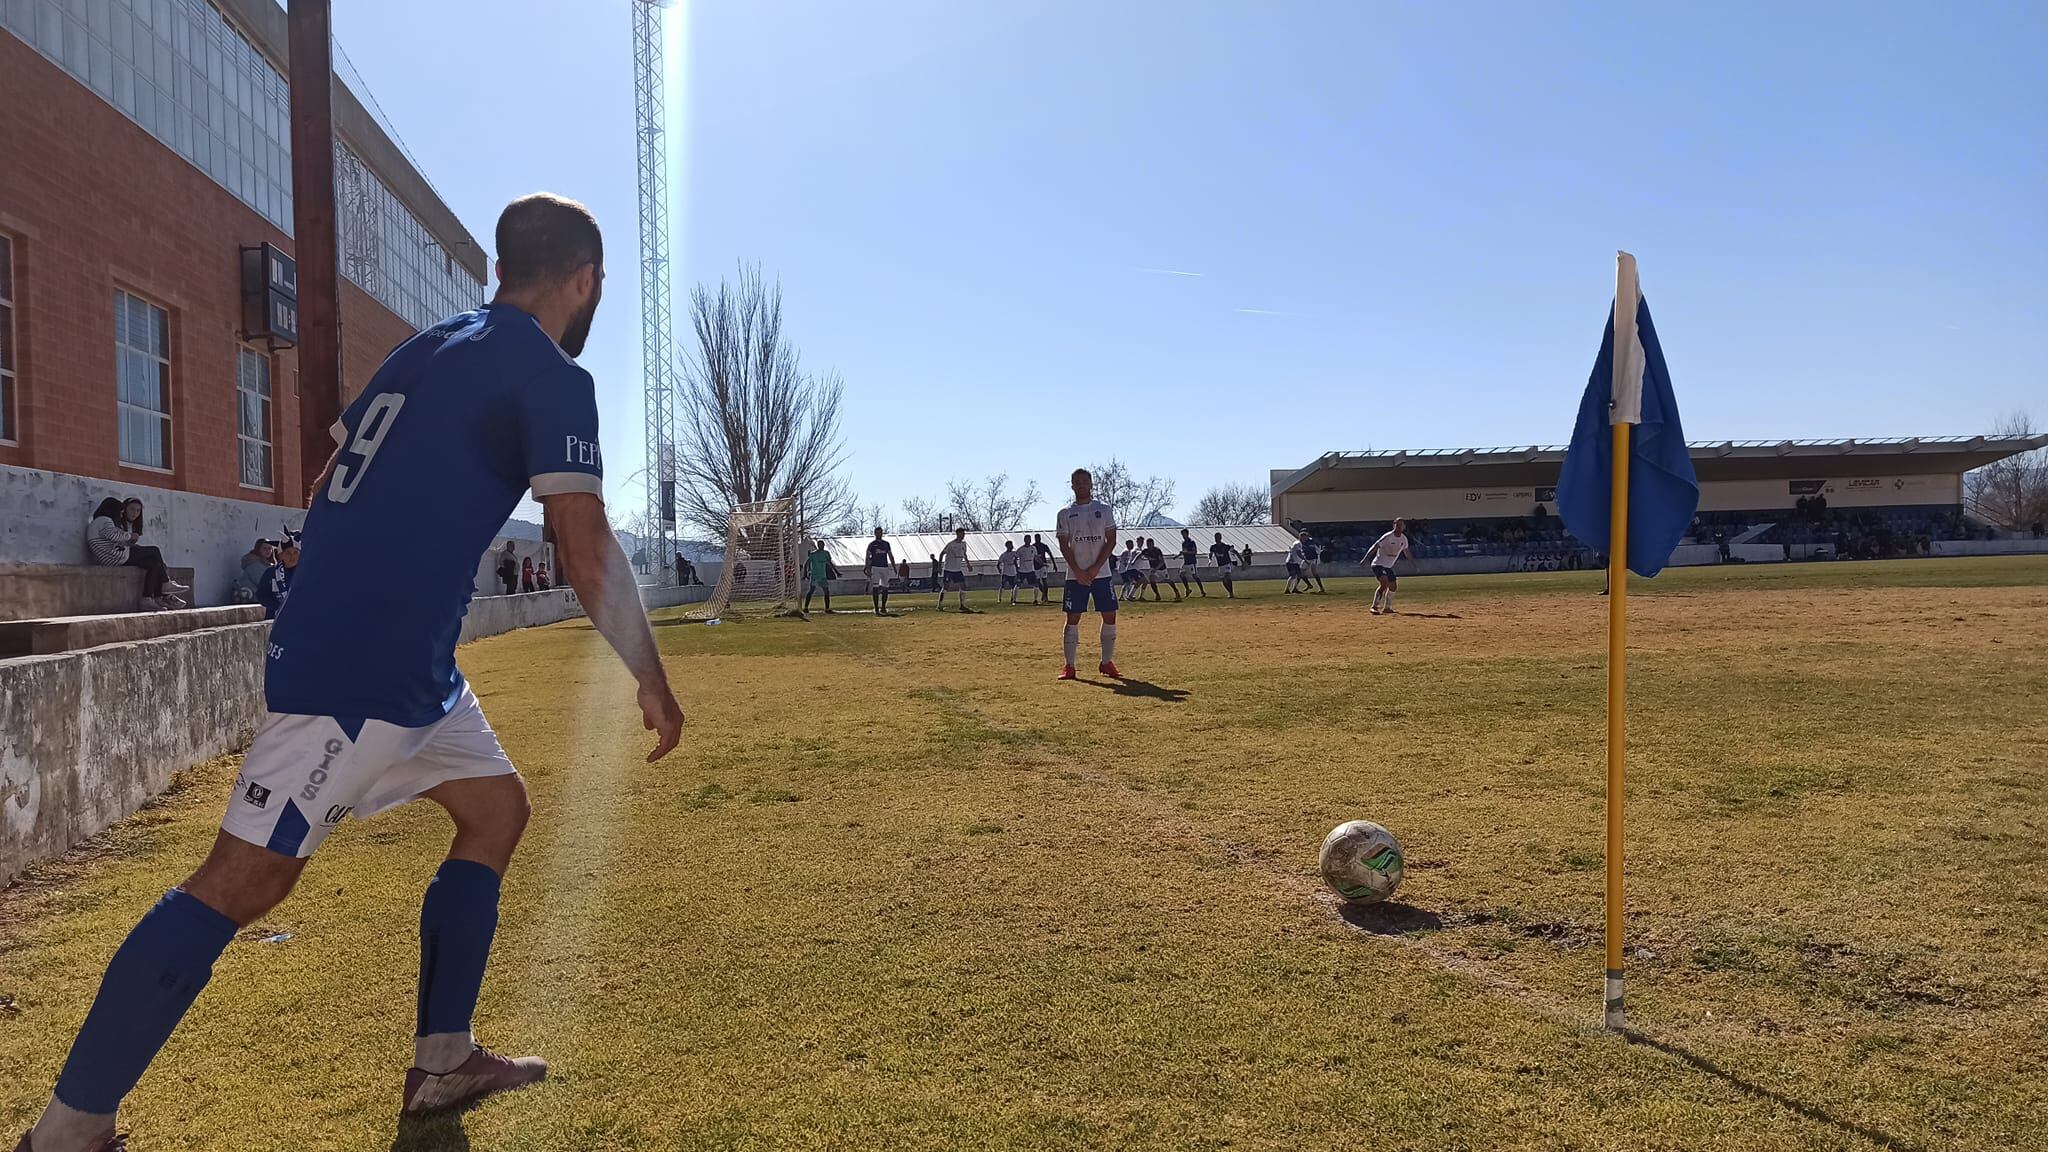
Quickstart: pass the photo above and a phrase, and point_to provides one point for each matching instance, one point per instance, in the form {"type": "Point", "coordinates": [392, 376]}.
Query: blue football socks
{"type": "Point", "coordinates": [458, 918]}
{"type": "Point", "coordinates": [153, 978]}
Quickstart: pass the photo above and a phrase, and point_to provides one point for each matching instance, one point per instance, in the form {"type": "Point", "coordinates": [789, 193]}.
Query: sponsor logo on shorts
{"type": "Point", "coordinates": [255, 793]}
{"type": "Point", "coordinates": [318, 776]}
{"type": "Point", "coordinates": [337, 813]}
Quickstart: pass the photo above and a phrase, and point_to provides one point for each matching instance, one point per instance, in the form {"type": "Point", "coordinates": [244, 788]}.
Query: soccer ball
{"type": "Point", "coordinates": [1361, 861]}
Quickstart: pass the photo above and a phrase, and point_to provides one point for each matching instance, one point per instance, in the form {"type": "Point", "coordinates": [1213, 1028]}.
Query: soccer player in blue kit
{"type": "Point", "coordinates": [366, 709]}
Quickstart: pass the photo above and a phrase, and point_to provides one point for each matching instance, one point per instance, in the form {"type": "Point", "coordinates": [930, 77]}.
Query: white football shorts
{"type": "Point", "coordinates": [305, 774]}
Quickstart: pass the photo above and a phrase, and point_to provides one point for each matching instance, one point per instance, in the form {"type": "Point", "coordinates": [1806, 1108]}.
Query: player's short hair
{"type": "Point", "coordinates": [542, 238]}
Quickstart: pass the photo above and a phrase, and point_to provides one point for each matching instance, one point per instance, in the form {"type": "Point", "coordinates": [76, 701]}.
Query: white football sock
{"type": "Point", "coordinates": [1073, 642]}
{"type": "Point", "coordinates": [1109, 643]}
{"type": "Point", "coordinates": [443, 1052]}
{"type": "Point", "coordinates": [64, 1128]}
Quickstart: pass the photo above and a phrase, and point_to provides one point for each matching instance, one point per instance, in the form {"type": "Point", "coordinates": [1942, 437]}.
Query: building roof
{"type": "Point", "coordinates": [1718, 460]}
{"type": "Point", "coordinates": [983, 548]}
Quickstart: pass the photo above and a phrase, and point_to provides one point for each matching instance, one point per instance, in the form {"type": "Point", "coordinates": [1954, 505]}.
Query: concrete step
{"type": "Point", "coordinates": [47, 591]}
{"type": "Point", "coordinates": [72, 633]}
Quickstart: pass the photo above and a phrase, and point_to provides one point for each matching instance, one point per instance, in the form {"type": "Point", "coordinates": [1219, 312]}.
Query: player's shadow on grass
{"type": "Point", "coordinates": [1143, 689]}
{"type": "Point", "coordinates": [1390, 918]}
{"type": "Point", "coordinates": [1432, 615]}
{"type": "Point", "coordinates": [432, 1132]}
{"type": "Point", "coordinates": [1734, 1080]}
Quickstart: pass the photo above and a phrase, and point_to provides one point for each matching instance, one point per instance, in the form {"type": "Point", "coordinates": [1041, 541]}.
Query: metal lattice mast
{"type": "Point", "coordinates": [656, 353]}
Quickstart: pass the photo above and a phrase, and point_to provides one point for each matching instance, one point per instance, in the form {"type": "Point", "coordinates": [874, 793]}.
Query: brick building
{"type": "Point", "coordinates": [145, 146]}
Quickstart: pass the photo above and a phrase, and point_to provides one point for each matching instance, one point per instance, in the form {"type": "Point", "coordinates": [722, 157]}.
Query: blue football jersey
{"type": "Point", "coordinates": [453, 429]}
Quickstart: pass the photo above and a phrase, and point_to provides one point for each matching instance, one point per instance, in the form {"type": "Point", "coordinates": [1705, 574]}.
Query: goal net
{"type": "Point", "coordinates": [763, 552]}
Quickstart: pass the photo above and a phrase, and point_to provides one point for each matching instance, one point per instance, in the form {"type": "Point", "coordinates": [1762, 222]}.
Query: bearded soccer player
{"type": "Point", "coordinates": [366, 707]}
{"type": "Point", "coordinates": [1087, 535]}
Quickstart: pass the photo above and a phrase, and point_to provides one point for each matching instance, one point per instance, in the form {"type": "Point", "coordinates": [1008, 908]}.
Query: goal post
{"type": "Point", "coordinates": [763, 562]}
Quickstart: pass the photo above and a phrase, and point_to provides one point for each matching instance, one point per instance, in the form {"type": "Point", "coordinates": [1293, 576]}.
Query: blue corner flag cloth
{"type": "Point", "coordinates": [1663, 494]}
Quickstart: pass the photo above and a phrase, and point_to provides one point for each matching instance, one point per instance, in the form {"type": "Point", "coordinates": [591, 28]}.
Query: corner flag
{"type": "Point", "coordinates": [1627, 418]}
{"type": "Point", "coordinates": [1662, 494]}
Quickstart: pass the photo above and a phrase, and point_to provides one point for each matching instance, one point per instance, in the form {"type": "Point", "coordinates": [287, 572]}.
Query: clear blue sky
{"type": "Point", "coordinates": [1403, 216]}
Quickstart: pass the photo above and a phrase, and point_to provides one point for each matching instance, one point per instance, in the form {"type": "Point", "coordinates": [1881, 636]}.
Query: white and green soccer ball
{"type": "Point", "coordinates": [1361, 861]}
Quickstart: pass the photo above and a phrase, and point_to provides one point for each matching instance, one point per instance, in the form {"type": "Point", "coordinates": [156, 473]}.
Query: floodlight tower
{"type": "Point", "coordinates": [657, 355]}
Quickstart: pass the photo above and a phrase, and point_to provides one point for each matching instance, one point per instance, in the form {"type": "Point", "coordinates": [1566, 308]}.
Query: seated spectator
{"type": "Point", "coordinates": [110, 539]}
{"type": "Point", "coordinates": [255, 563]}
{"type": "Point", "coordinates": [276, 584]}
{"type": "Point", "coordinates": [540, 576]}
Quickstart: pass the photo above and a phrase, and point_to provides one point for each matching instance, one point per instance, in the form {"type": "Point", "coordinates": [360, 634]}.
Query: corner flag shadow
{"type": "Point", "coordinates": [1390, 918]}
{"type": "Point", "coordinates": [432, 1132]}
{"type": "Point", "coordinates": [1141, 688]}
{"type": "Point", "coordinates": [1734, 1080]}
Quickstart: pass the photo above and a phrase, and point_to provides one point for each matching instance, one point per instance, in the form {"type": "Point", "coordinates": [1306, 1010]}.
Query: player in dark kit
{"type": "Point", "coordinates": [366, 707]}
{"type": "Point", "coordinates": [880, 562]}
{"type": "Point", "coordinates": [1220, 552]}
{"type": "Point", "coordinates": [1190, 554]}
{"type": "Point", "coordinates": [1156, 559]}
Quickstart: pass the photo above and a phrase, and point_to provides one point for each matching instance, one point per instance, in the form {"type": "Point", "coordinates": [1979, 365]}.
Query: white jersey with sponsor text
{"type": "Point", "coordinates": [1086, 528]}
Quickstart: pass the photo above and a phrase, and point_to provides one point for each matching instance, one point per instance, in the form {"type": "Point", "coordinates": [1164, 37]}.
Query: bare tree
{"type": "Point", "coordinates": [921, 515]}
{"type": "Point", "coordinates": [2011, 493]}
{"type": "Point", "coordinates": [1234, 504]}
{"type": "Point", "coordinates": [990, 506]}
{"type": "Point", "coordinates": [1136, 502]}
{"type": "Point", "coordinates": [751, 424]}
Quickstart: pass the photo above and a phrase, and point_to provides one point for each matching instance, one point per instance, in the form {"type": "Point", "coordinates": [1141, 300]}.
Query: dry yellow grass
{"type": "Point", "coordinates": [906, 892]}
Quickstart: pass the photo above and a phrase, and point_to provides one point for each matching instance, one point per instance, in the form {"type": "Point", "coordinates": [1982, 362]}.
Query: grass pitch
{"type": "Point", "coordinates": [904, 891]}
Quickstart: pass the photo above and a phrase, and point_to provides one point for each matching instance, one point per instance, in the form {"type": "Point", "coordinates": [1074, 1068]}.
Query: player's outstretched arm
{"type": "Point", "coordinates": [595, 566]}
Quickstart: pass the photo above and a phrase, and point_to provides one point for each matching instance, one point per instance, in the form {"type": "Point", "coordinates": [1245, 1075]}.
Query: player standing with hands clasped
{"type": "Point", "coordinates": [1087, 535]}
{"type": "Point", "coordinates": [366, 709]}
{"type": "Point", "coordinates": [1381, 557]}
{"type": "Point", "coordinates": [880, 558]}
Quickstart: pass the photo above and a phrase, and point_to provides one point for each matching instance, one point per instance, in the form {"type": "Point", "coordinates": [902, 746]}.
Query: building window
{"type": "Point", "coordinates": [8, 371]}
{"type": "Point", "coordinates": [252, 389]}
{"type": "Point", "coordinates": [190, 78]}
{"type": "Point", "coordinates": [142, 367]}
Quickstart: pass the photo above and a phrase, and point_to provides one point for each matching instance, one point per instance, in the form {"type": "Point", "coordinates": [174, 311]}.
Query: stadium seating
{"type": "Point", "coordinates": [1862, 532]}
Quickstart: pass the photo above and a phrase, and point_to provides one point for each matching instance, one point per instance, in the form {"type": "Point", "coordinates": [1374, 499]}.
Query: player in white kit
{"type": "Point", "coordinates": [1087, 535]}
{"type": "Point", "coordinates": [953, 562]}
{"type": "Point", "coordinates": [1380, 558]}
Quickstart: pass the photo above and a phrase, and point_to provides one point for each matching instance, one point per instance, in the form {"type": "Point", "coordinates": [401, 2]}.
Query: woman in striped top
{"type": "Point", "coordinates": [111, 540]}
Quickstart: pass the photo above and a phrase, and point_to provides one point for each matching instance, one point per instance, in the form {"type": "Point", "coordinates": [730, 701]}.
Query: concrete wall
{"type": "Point", "coordinates": [86, 737]}
{"type": "Point", "coordinates": [2008, 547]}
{"type": "Point", "coordinates": [43, 517]}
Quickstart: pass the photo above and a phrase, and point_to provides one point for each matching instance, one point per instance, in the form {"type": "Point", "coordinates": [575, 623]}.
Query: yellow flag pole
{"type": "Point", "coordinates": [1627, 373]}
